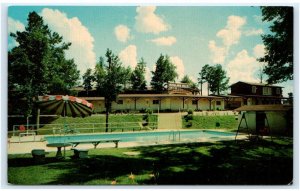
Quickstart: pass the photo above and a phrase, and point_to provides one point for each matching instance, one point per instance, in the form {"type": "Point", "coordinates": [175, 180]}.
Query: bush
{"type": "Point", "coordinates": [189, 124]}
{"type": "Point", "coordinates": [149, 111]}
{"type": "Point", "coordinates": [188, 117]}
{"type": "Point", "coordinates": [190, 112]}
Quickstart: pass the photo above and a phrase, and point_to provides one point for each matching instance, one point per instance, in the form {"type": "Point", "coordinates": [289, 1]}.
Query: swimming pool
{"type": "Point", "coordinates": [149, 137]}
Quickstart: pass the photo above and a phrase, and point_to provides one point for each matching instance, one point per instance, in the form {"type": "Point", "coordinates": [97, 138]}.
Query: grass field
{"type": "Point", "coordinates": [96, 123]}
{"type": "Point", "coordinates": [220, 163]}
{"type": "Point", "coordinates": [209, 122]}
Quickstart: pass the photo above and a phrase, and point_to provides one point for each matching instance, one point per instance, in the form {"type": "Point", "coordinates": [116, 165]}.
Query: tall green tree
{"type": "Point", "coordinates": [278, 44]}
{"type": "Point", "coordinates": [191, 84]}
{"type": "Point", "coordinates": [126, 75]}
{"type": "Point", "coordinates": [38, 64]}
{"type": "Point", "coordinates": [138, 76]}
{"type": "Point", "coordinates": [88, 79]}
{"type": "Point", "coordinates": [99, 75]}
{"type": "Point", "coordinates": [113, 82]}
{"type": "Point", "coordinates": [216, 78]}
{"type": "Point", "coordinates": [165, 72]}
{"type": "Point", "coordinates": [186, 80]}
{"type": "Point", "coordinates": [205, 76]}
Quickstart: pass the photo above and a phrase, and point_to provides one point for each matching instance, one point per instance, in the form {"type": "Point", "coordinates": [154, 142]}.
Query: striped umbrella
{"type": "Point", "coordinates": [65, 105]}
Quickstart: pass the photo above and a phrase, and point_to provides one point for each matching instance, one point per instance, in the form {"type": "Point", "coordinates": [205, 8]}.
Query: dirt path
{"type": "Point", "coordinates": [169, 121]}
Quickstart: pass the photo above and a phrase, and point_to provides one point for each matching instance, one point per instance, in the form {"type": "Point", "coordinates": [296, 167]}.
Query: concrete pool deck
{"type": "Point", "coordinates": [27, 144]}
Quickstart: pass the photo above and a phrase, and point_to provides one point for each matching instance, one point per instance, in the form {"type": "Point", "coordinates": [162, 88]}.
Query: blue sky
{"type": "Point", "coordinates": [191, 36]}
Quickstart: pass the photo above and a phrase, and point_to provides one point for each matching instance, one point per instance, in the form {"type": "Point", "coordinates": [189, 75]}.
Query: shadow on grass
{"type": "Point", "coordinates": [221, 163]}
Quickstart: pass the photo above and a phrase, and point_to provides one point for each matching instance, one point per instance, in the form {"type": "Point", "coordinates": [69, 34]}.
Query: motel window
{"type": "Point", "coordinates": [218, 102]}
{"type": "Point", "coordinates": [155, 102]}
{"type": "Point", "coordinates": [120, 102]}
{"type": "Point", "coordinates": [277, 91]}
{"type": "Point", "coordinates": [267, 91]}
{"type": "Point", "coordinates": [194, 102]}
{"type": "Point", "coordinates": [254, 89]}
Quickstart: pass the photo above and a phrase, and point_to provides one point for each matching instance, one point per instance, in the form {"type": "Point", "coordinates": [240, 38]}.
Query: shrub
{"type": "Point", "coordinates": [189, 124]}
{"type": "Point", "coordinates": [149, 111]}
{"type": "Point", "coordinates": [188, 117]}
{"type": "Point", "coordinates": [190, 112]}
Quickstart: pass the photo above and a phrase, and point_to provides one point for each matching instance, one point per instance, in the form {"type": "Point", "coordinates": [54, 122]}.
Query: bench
{"type": "Point", "coordinates": [80, 153]}
{"type": "Point", "coordinates": [96, 142]}
{"type": "Point", "coordinates": [38, 155]}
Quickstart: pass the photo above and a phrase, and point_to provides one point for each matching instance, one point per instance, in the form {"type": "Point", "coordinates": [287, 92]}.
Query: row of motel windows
{"type": "Point", "coordinates": [266, 90]}
{"type": "Point", "coordinates": [156, 102]}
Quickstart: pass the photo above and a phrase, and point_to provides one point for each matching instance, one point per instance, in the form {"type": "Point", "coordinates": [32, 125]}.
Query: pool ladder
{"type": "Point", "coordinates": [174, 135]}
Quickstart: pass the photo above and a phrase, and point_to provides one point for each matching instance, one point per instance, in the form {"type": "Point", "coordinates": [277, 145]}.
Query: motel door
{"type": "Point", "coordinates": [260, 120]}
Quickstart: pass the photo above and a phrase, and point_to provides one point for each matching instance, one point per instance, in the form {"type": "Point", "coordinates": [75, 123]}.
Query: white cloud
{"type": "Point", "coordinates": [231, 33]}
{"type": "Point", "coordinates": [242, 68]}
{"type": "Point", "coordinates": [259, 50]}
{"type": "Point", "coordinates": [179, 66]}
{"type": "Point", "coordinates": [13, 27]}
{"type": "Point", "coordinates": [164, 41]}
{"type": "Point", "coordinates": [128, 56]}
{"type": "Point", "coordinates": [194, 79]}
{"type": "Point", "coordinates": [122, 33]}
{"type": "Point", "coordinates": [218, 53]}
{"type": "Point", "coordinates": [72, 30]}
{"type": "Point", "coordinates": [254, 32]}
{"type": "Point", "coordinates": [148, 22]}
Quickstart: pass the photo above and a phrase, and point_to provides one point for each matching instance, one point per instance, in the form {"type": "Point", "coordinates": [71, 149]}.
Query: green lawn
{"type": "Point", "coordinates": [220, 163]}
{"type": "Point", "coordinates": [209, 122]}
{"type": "Point", "coordinates": [126, 122]}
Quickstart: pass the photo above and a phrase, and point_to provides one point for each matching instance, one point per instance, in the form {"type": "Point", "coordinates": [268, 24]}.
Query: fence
{"type": "Point", "coordinates": [48, 129]}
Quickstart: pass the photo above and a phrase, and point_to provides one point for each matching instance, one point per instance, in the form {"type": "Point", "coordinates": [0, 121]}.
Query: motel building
{"type": "Point", "coordinates": [177, 97]}
{"type": "Point", "coordinates": [180, 97]}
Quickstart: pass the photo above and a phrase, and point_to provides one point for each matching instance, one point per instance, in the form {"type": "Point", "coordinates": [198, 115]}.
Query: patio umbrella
{"type": "Point", "coordinates": [65, 105]}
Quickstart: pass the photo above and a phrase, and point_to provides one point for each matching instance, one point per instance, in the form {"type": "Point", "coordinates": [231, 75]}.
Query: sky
{"type": "Point", "coordinates": [191, 36]}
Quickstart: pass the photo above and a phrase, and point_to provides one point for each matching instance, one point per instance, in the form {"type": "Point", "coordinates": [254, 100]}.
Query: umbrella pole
{"type": "Point", "coordinates": [27, 119]}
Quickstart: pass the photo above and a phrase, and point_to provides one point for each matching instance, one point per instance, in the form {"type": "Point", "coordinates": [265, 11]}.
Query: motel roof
{"type": "Point", "coordinates": [154, 96]}
{"type": "Point", "coordinates": [257, 84]}
{"type": "Point", "coordinates": [264, 108]}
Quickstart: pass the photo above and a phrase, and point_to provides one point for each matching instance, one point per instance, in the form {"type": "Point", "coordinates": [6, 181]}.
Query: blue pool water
{"type": "Point", "coordinates": [144, 137]}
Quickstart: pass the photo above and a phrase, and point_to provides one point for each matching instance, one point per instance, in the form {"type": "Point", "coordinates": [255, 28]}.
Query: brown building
{"type": "Point", "coordinates": [257, 93]}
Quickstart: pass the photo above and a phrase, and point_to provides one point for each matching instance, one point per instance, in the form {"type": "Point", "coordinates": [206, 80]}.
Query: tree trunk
{"type": "Point", "coordinates": [107, 106]}
{"type": "Point", "coordinates": [201, 88]}
{"type": "Point", "coordinates": [106, 120]}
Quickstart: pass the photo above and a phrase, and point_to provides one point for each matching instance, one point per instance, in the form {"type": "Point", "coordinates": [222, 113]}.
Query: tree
{"type": "Point", "coordinates": [112, 82]}
{"type": "Point", "coordinates": [38, 64]}
{"type": "Point", "coordinates": [99, 75]}
{"type": "Point", "coordinates": [88, 79]}
{"type": "Point", "coordinates": [138, 76]}
{"type": "Point", "coordinates": [204, 77]}
{"type": "Point", "coordinates": [278, 44]}
{"type": "Point", "coordinates": [215, 77]}
{"type": "Point", "coordinates": [218, 80]}
{"type": "Point", "coordinates": [126, 75]}
{"type": "Point", "coordinates": [190, 83]}
{"type": "Point", "coordinates": [164, 73]}
{"type": "Point", "coordinates": [186, 80]}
